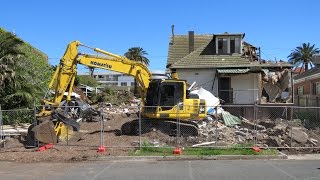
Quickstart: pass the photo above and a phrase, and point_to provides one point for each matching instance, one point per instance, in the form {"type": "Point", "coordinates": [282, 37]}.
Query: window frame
{"type": "Point", "coordinates": [317, 88]}
{"type": "Point", "coordinates": [300, 90]}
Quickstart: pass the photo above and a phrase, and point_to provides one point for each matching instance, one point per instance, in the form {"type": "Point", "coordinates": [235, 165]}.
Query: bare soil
{"type": "Point", "coordinates": [86, 148]}
{"type": "Point", "coordinates": [115, 143]}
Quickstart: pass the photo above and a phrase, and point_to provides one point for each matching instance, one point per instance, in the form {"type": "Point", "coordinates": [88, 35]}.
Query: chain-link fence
{"type": "Point", "coordinates": [14, 124]}
{"type": "Point", "coordinates": [125, 127]}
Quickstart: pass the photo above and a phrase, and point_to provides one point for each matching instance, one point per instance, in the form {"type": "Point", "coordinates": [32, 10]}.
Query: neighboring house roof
{"type": "Point", "coordinates": [310, 74]}
{"type": "Point", "coordinates": [201, 57]}
{"type": "Point", "coordinates": [298, 70]}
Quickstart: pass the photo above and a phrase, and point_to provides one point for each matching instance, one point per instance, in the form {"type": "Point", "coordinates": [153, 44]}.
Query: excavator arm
{"type": "Point", "coordinates": [63, 81]}
{"type": "Point", "coordinates": [66, 72]}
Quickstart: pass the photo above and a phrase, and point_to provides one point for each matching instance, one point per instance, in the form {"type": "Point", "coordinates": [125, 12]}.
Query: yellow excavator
{"type": "Point", "coordinates": [163, 100]}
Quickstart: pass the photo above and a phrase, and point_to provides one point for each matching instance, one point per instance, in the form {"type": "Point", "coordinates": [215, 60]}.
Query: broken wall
{"type": "Point", "coordinates": [277, 86]}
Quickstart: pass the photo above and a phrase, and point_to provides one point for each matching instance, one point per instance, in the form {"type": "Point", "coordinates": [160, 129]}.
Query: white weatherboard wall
{"type": "Point", "coordinates": [245, 88]}
{"type": "Point", "coordinates": [203, 78]}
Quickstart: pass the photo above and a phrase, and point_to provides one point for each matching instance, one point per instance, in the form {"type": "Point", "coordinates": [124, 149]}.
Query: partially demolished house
{"type": "Point", "coordinates": [230, 68]}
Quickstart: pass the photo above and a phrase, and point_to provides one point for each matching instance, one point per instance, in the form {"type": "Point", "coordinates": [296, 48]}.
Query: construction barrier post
{"type": "Point", "coordinates": [102, 148]}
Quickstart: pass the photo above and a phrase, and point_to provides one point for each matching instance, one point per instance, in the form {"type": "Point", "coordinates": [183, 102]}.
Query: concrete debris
{"type": "Point", "coordinates": [154, 142]}
{"type": "Point", "coordinates": [273, 141]}
{"type": "Point", "coordinates": [204, 144]}
{"type": "Point", "coordinates": [267, 123]}
{"type": "Point", "coordinates": [251, 125]}
{"type": "Point", "coordinates": [275, 133]}
{"type": "Point", "coordinates": [14, 130]}
{"type": "Point", "coordinates": [298, 134]}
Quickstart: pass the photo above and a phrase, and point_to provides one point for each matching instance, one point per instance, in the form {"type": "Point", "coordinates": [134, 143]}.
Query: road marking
{"type": "Point", "coordinates": [190, 170]}
{"type": "Point", "coordinates": [281, 170]}
{"type": "Point", "coordinates": [98, 174]}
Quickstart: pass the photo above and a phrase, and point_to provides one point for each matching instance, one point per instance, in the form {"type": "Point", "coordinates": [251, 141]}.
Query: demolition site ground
{"type": "Point", "coordinates": [276, 133]}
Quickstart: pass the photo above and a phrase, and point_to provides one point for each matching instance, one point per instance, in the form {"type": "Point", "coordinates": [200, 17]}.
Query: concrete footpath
{"type": "Point", "coordinates": [280, 156]}
{"type": "Point", "coordinates": [304, 157]}
{"type": "Point", "coordinates": [182, 157]}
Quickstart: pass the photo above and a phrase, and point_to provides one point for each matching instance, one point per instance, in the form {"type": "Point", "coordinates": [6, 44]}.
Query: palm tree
{"type": "Point", "coordinates": [303, 55]}
{"type": "Point", "coordinates": [139, 55]}
{"type": "Point", "coordinates": [91, 71]}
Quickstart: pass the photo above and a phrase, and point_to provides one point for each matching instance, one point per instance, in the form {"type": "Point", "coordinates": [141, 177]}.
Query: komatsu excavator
{"type": "Point", "coordinates": [163, 101]}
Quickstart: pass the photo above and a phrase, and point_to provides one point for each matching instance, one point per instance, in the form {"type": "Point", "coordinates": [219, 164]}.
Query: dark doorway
{"type": "Point", "coordinates": [225, 91]}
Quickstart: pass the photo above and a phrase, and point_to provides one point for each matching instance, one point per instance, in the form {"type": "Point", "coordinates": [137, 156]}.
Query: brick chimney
{"type": "Point", "coordinates": [191, 41]}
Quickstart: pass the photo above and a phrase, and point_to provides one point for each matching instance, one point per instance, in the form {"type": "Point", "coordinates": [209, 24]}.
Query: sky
{"type": "Point", "coordinates": [276, 26]}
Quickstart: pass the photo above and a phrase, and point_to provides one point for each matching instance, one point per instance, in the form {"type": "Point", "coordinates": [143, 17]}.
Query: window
{"type": "Point", "coordinates": [112, 84]}
{"type": "Point", "coordinates": [114, 78]}
{"type": "Point", "coordinates": [300, 90]}
{"type": "Point", "coordinates": [222, 46]}
{"type": "Point", "coordinates": [132, 83]}
{"type": "Point", "coordinates": [123, 83]}
{"type": "Point", "coordinates": [234, 45]}
{"type": "Point", "coordinates": [237, 45]}
{"type": "Point", "coordinates": [316, 89]}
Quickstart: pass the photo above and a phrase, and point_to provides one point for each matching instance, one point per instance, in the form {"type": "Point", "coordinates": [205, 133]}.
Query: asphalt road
{"type": "Point", "coordinates": [166, 170]}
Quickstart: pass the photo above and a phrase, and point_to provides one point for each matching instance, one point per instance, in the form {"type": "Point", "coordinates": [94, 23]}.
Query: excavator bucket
{"type": "Point", "coordinates": [45, 132]}
{"type": "Point", "coordinates": [61, 129]}
{"type": "Point", "coordinates": [65, 133]}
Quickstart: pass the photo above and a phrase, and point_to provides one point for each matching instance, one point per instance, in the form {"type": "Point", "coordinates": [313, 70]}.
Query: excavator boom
{"type": "Point", "coordinates": [162, 99]}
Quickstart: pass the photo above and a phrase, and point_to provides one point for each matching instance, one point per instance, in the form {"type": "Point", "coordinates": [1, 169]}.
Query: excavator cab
{"type": "Point", "coordinates": [169, 99]}
{"type": "Point", "coordinates": [163, 95]}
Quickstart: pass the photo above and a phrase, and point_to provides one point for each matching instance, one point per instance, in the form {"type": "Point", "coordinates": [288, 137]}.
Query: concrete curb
{"type": "Point", "coordinates": [189, 158]}
{"type": "Point", "coordinates": [304, 157]}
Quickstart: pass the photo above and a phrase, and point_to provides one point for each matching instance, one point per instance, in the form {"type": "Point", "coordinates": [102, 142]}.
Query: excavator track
{"type": "Point", "coordinates": [167, 126]}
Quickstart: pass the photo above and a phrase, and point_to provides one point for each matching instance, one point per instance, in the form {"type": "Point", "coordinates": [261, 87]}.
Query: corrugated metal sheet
{"type": "Point", "coordinates": [232, 71]}
{"type": "Point", "coordinates": [229, 119]}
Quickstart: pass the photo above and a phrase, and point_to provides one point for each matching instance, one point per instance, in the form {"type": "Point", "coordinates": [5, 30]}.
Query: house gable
{"type": "Point", "coordinates": [206, 51]}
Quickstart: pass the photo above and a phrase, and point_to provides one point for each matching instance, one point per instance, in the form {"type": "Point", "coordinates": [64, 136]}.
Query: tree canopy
{"type": "Point", "coordinates": [303, 55]}
{"type": "Point", "coordinates": [24, 71]}
{"type": "Point", "coordinates": [137, 54]}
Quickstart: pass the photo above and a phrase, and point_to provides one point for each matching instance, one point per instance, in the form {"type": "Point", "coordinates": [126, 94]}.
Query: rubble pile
{"type": "Point", "coordinates": [131, 106]}
{"type": "Point", "coordinates": [266, 133]}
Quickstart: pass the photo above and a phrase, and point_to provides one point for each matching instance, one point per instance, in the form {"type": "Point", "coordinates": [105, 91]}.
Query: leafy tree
{"type": "Point", "coordinates": [30, 69]}
{"type": "Point", "coordinates": [53, 67]}
{"type": "Point", "coordinates": [139, 55]}
{"type": "Point", "coordinates": [87, 80]}
{"type": "Point", "coordinates": [303, 55]}
{"type": "Point", "coordinates": [9, 53]}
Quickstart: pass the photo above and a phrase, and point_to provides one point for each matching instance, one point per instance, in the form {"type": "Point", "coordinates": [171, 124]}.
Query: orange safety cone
{"type": "Point", "coordinates": [101, 149]}
{"type": "Point", "coordinates": [177, 151]}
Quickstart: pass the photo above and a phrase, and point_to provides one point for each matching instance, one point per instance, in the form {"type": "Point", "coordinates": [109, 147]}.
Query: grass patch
{"type": "Point", "coordinates": [147, 150]}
